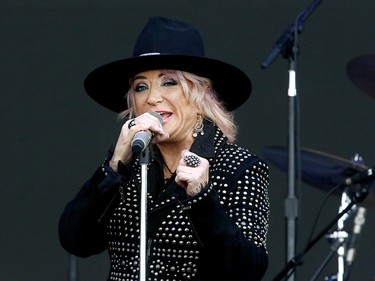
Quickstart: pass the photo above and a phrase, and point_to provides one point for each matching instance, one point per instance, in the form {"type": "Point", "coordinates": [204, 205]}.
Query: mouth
{"type": "Point", "coordinates": [166, 115]}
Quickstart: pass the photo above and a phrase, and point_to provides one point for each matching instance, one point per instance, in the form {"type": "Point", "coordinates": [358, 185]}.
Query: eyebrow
{"type": "Point", "coordinates": [138, 77]}
{"type": "Point", "coordinates": [161, 74]}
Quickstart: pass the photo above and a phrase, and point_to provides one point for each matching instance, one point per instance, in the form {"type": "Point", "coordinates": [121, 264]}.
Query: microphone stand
{"type": "Point", "coordinates": [325, 262]}
{"type": "Point", "coordinates": [342, 236]}
{"type": "Point", "coordinates": [352, 244]}
{"type": "Point", "coordinates": [359, 196]}
{"type": "Point", "coordinates": [144, 161]}
{"type": "Point", "coordinates": [337, 240]}
{"type": "Point", "coordinates": [288, 46]}
{"type": "Point", "coordinates": [73, 268]}
{"type": "Point", "coordinates": [343, 244]}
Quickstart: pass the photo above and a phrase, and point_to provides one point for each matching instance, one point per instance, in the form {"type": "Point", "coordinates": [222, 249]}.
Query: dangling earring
{"type": "Point", "coordinates": [198, 128]}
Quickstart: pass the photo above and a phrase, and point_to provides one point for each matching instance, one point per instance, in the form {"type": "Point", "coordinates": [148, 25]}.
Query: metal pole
{"type": "Point", "coordinates": [291, 202]}
{"type": "Point", "coordinates": [73, 268]}
{"type": "Point", "coordinates": [144, 161]}
{"type": "Point", "coordinates": [288, 46]}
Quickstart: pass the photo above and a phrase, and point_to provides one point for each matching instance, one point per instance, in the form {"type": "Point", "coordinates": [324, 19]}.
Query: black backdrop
{"type": "Point", "coordinates": [53, 136]}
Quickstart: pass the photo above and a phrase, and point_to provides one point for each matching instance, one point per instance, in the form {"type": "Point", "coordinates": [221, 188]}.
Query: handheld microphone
{"type": "Point", "coordinates": [360, 177]}
{"type": "Point", "coordinates": [142, 138]}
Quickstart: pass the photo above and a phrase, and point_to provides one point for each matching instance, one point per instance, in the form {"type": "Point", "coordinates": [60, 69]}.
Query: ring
{"type": "Point", "coordinates": [131, 123]}
{"type": "Point", "coordinates": [191, 160]}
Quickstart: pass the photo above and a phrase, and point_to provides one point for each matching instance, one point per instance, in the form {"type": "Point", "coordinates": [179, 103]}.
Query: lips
{"type": "Point", "coordinates": [166, 115]}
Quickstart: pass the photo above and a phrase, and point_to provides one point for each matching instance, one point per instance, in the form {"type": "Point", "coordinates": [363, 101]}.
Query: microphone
{"type": "Point", "coordinates": [359, 221]}
{"type": "Point", "coordinates": [288, 35]}
{"type": "Point", "coordinates": [142, 139]}
{"type": "Point", "coordinates": [360, 177]}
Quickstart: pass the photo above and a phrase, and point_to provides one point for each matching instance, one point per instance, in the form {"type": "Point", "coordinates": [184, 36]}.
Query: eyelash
{"type": "Point", "coordinates": [170, 82]}
{"type": "Point", "coordinates": [142, 86]}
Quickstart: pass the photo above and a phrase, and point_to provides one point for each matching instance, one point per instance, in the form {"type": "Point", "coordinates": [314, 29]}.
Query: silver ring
{"type": "Point", "coordinates": [192, 160]}
{"type": "Point", "coordinates": [131, 123]}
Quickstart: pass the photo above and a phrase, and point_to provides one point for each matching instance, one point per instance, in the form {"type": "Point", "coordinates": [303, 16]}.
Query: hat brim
{"type": "Point", "coordinates": [109, 83]}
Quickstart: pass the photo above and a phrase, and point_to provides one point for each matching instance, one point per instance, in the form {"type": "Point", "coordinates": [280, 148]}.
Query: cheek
{"type": "Point", "coordinates": [138, 102]}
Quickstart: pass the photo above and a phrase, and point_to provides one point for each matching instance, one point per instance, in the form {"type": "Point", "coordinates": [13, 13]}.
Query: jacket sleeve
{"type": "Point", "coordinates": [81, 228]}
{"type": "Point", "coordinates": [230, 218]}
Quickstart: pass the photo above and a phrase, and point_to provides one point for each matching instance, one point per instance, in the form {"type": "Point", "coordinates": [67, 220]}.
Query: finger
{"type": "Point", "coordinates": [188, 175]}
{"type": "Point", "coordinates": [191, 160]}
{"type": "Point", "coordinates": [146, 121]}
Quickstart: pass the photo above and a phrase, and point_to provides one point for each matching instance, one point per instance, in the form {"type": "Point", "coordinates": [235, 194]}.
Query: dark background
{"type": "Point", "coordinates": [53, 136]}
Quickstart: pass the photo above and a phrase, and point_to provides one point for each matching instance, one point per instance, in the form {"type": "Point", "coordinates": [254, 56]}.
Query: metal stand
{"type": "Point", "coordinates": [296, 261]}
{"type": "Point", "coordinates": [342, 236]}
{"type": "Point", "coordinates": [288, 46]}
{"type": "Point", "coordinates": [73, 268]}
{"type": "Point", "coordinates": [144, 161]}
{"type": "Point", "coordinates": [343, 243]}
{"type": "Point", "coordinates": [325, 262]}
{"type": "Point", "coordinates": [338, 240]}
{"type": "Point", "coordinates": [291, 201]}
{"type": "Point", "coordinates": [352, 244]}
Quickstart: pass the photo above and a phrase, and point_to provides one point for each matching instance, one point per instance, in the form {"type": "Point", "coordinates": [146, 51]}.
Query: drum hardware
{"type": "Point", "coordinates": [361, 71]}
{"type": "Point", "coordinates": [330, 173]}
{"type": "Point", "coordinates": [297, 260]}
{"type": "Point", "coordinates": [322, 170]}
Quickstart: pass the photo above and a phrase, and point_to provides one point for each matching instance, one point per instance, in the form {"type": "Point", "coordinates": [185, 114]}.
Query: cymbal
{"type": "Point", "coordinates": [361, 70]}
{"type": "Point", "coordinates": [319, 169]}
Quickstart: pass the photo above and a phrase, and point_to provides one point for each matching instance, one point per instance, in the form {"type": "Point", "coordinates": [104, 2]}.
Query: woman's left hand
{"type": "Point", "coordinates": [192, 178]}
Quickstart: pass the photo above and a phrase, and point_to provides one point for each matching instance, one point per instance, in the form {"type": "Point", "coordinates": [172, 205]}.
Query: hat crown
{"type": "Point", "coordinates": [167, 44]}
{"type": "Point", "coordinates": [166, 36]}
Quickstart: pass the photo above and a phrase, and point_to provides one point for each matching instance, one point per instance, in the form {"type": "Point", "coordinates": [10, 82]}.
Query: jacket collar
{"type": "Point", "coordinates": [207, 145]}
{"type": "Point", "coordinates": [203, 145]}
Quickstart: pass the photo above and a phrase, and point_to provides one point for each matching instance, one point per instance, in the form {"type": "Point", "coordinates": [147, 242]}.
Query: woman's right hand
{"type": "Point", "coordinates": [123, 151]}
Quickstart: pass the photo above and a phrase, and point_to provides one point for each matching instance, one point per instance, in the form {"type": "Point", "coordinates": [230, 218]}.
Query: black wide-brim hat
{"type": "Point", "coordinates": [167, 44]}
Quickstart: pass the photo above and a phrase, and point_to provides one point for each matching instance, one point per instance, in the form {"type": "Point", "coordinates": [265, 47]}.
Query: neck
{"type": "Point", "coordinates": [171, 154]}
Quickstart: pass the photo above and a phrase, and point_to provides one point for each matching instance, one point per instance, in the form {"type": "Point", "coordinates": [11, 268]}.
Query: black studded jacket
{"type": "Point", "coordinates": [219, 234]}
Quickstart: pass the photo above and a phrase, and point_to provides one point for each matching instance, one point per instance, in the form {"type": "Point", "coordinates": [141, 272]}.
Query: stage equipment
{"type": "Point", "coordinates": [287, 45]}
{"type": "Point", "coordinates": [144, 160]}
{"type": "Point", "coordinates": [73, 268]}
{"type": "Point", "coordinates": [334, 175]}
{"type": "Point", "coordinates": [322, 170]}
{"type": "Point", "coordinates": [297, 260]}
{"type": "Point", "coordinates": [361, 70]}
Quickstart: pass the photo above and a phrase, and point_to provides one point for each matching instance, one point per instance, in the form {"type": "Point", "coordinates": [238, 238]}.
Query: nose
{"type": "Point", "coordinates": [154, 97]}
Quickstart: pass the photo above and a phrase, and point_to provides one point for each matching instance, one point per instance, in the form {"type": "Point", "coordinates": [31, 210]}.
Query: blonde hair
{"type": "Point", "coordinates": [198, 90]}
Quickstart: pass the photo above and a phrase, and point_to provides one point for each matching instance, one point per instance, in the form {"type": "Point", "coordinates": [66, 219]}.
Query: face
{"type": "Point", "coordinates": [158, 91]}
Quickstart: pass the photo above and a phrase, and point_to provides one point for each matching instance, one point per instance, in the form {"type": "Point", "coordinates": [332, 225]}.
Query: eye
{"type": "Point", "coordinates": [140, 87]}
{"type": "Point", "coordinates": [169, 82]}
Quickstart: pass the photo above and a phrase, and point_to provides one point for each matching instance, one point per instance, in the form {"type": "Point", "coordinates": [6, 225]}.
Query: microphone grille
{"type": "Point", "coordinates": [157, 115]}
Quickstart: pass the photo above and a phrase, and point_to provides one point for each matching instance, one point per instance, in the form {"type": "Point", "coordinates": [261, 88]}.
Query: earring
{"type": "Point", "coordinates": [198, 128]}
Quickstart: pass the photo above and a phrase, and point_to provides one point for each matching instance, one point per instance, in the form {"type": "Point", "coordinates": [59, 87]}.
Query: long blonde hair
{"type": "Point", "coordinates": [198, 90]}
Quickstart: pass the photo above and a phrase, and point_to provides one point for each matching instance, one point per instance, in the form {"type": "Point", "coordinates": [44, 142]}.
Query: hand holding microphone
{"type": "Point", "coordinates": [142, 138]}
{"type": "Point", "coordinates": [136, 135]}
